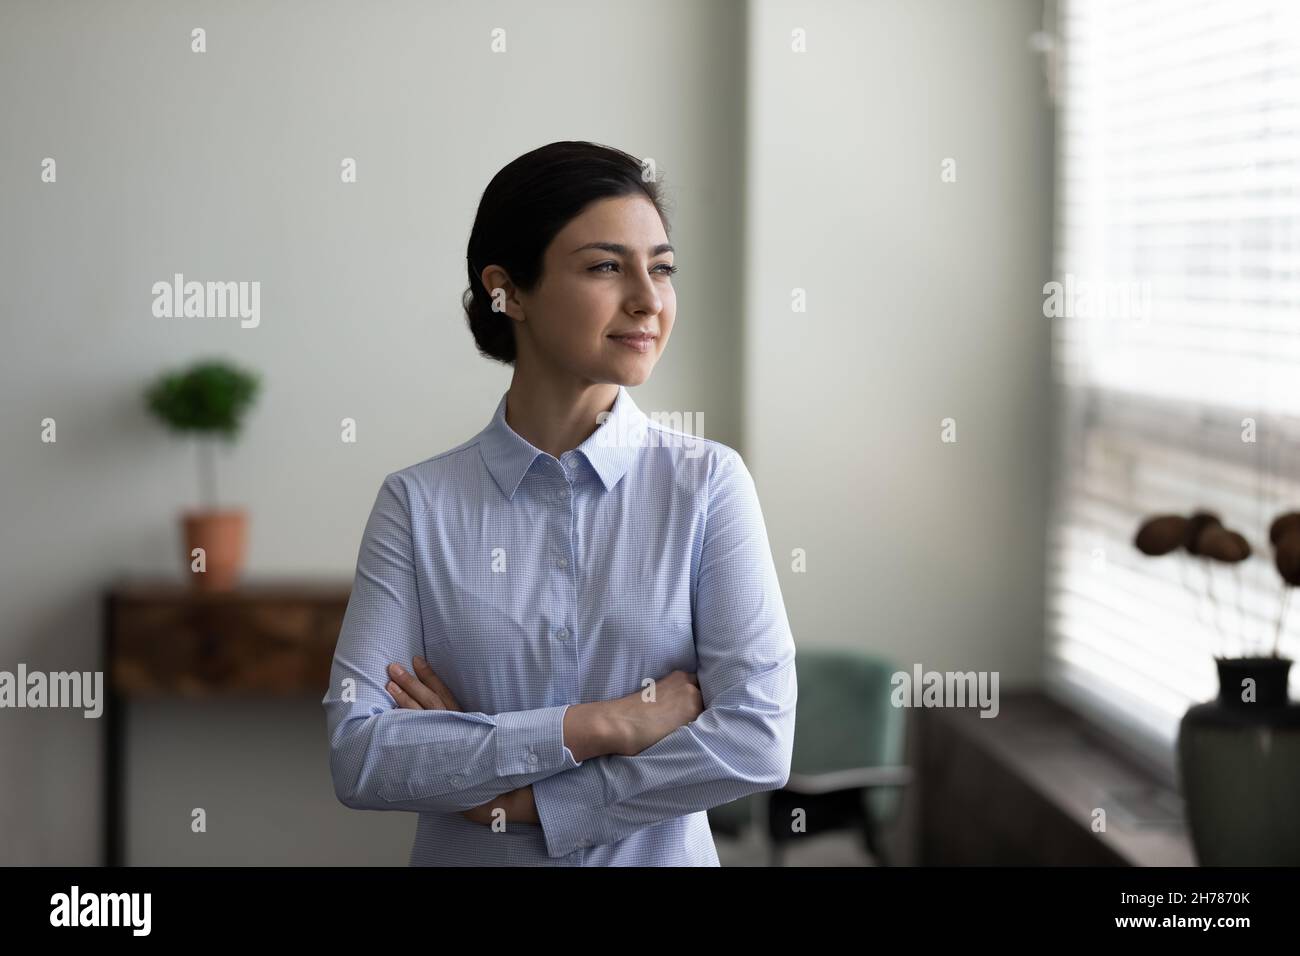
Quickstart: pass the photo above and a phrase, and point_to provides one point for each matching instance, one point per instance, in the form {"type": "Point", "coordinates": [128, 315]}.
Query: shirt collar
{"type": "Point", "coordinates": [610, 449]}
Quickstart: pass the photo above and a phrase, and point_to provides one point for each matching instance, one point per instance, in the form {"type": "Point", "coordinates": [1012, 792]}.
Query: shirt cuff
{"type": "Point", "coordinates": [532, 741]}
{"type": "Point", "coordinates": [571, 810]}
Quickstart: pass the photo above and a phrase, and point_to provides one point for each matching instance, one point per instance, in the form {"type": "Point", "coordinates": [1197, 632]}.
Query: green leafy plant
{"type": "Point", "coordinates": [207, 400]}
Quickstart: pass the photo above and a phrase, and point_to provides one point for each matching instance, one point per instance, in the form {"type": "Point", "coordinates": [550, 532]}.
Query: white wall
{"type": "Point", "coordinates": [924, 302]}
{"type": "Point", "coordinates": [225, 166]}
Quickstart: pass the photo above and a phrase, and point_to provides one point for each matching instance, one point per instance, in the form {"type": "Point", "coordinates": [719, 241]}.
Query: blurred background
{"type": "Point", "coordinates": [870, 202]}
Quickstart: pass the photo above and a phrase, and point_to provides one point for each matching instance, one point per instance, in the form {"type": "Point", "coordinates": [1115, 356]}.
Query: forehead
{"type": "Point", "coordinates": [631, 220]}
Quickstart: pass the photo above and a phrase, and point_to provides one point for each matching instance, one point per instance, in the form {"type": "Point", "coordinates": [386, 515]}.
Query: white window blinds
{"type": "Point", "coordinates": [1176, 331]}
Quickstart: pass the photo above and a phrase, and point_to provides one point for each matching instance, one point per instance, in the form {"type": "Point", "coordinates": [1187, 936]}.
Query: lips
{"type": "Point", "coordinates": [641, 342]}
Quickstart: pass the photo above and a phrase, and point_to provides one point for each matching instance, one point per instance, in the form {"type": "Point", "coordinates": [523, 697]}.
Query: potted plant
{"type": "Point", "coordinates": [1238, 755]}
{"type": "Point", "coordinates": [208, 400]}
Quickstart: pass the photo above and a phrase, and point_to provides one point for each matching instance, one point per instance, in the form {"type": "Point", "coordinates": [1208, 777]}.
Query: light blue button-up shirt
{"type": "Point", "coordinates": [531, 583]}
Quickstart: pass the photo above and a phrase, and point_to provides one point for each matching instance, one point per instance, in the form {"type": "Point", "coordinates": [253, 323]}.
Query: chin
{"type": "Point", "coordinates": [619, 376]}
{"type": "Point", "coordinates": [628, 370]}
{"type": "Point", "coordinates": [634, 373]}
{"type": "Point", "coordinates": [623, 377]}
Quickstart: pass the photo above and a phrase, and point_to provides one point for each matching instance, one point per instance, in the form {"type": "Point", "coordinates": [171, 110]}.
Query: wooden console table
{"type": "Point", "coordinates": [163, 638]}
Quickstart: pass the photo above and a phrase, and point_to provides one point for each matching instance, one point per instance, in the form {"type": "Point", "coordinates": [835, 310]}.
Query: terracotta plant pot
{"type": "Point", "coordinates": [223, 536]}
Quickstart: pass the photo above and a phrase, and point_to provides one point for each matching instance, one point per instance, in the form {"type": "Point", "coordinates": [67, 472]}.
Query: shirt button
{"type": "Point", "coordinates": [458, 780]}
{"type": "Point", "coordinates": [562, 633]}
{"type": "Point", "coordinates": [561, 562]}
{"type": "Point", "coordinates": [561, 495]}
{"type": "Point", "coordinates": [532, 757]}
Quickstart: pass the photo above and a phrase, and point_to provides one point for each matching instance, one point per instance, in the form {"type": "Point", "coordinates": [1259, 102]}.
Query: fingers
{"type": "Point", "coordinates": [414, 694]}
{"type": "Point", "coordinates": [404, 700]}
{"type": "Point", "coordinates": [431, 680]}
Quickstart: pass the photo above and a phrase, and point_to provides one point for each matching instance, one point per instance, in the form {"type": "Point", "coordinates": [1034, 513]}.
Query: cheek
{"type": "Point", "coordinates": [575, 314]}
{"type": "Point", "coordinates": [591, 311]}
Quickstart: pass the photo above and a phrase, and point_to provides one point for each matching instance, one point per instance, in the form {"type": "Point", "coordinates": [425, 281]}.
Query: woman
{"type": "Point", "coordinates": [566, 640]}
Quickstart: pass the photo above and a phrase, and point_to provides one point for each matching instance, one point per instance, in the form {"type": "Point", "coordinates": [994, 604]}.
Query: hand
{"type": "Point", "coordinates": [425, 690]}
{"type": "Point", "coordinates": [422, 691]}
{"type": "Point", "coordinates": [639, 722]}
{"type": "Point", "coordinates": [517, 804]}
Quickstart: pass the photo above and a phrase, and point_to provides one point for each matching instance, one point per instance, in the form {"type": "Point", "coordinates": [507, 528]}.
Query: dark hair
{"type": "Point", "coordinates": [523, 208]}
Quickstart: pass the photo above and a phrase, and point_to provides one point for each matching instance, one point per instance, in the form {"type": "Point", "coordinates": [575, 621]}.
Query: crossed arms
{"type": "Point", "coordinates": [593, 773]}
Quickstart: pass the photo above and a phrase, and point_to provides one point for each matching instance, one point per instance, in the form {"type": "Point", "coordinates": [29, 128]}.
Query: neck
{"type": "Point", "coordinates": [556, 415]}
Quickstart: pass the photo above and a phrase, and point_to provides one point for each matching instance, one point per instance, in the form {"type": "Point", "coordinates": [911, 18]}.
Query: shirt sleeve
{"type": "Point", "coordinates": [743, 740]}
{"type": "Point", "coordinates": [383, 757]}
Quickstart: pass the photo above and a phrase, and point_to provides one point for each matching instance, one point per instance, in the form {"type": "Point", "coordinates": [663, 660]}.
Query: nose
{"type": "Point", "coordinates": [642, 296]}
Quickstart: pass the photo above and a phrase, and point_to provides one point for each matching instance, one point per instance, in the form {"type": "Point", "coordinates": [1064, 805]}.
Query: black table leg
{"type": "Point", "coordinates": [113, 751]}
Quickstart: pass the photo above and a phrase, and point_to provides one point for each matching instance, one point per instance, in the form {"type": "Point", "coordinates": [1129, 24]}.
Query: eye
{"type": "Point", "coordinates": [668, 268]}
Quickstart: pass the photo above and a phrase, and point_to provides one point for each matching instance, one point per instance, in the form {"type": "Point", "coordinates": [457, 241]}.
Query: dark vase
{"type": "Point", "coordinates": [1239, 763]}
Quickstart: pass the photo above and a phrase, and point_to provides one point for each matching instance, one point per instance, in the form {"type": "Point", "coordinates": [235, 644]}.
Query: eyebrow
{"type": "Point", "coordinates": [619, 249]}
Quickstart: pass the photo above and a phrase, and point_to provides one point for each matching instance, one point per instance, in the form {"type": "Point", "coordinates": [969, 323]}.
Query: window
{"type": "Point", "coordinates": [1175, 334]}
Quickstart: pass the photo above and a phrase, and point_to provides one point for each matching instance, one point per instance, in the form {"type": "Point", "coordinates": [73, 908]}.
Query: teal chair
{"type": "Point", "coordinates": [847, 769]}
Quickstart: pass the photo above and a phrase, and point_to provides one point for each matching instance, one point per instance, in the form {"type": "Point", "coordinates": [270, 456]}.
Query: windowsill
{"type": "Point", "coordinates": [1064, 761]}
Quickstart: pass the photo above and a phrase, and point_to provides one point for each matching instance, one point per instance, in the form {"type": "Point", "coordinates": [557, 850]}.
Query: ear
{"type": "Point", "coordinates": [504, 297]}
